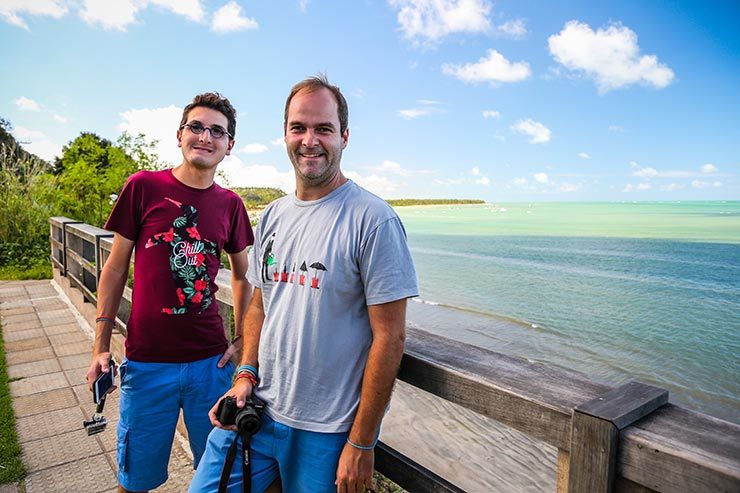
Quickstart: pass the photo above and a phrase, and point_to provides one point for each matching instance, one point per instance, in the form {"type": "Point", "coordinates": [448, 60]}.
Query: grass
{"type": "Point", "coordinates": [11, 464]}
{"type": "Point", "coordinates": [41, 269]}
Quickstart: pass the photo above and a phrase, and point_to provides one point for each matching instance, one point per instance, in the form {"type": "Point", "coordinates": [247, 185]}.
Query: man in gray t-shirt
{"type": "Point", "coordinates": [326, 326]}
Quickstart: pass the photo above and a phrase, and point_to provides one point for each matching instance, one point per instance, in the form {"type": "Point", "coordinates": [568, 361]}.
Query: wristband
{"type": "Point", "coordinates": [248, 368]}
{"type": "Point", "coordinates": [235, 338]}
{"type": "Point", "coordinates": [362, 447]}
{"type": "Point", "coordinates": [248, 376]}
{"type": "Point", "coordinates": [105, 319]}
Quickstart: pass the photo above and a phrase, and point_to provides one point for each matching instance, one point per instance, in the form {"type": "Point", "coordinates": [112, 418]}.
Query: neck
{"type": "Point", "coordinates": [314, 192]}
{"type": "Point", "coordinates": [194, 177]}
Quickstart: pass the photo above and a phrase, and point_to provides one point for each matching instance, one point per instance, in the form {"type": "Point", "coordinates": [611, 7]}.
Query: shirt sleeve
{"type": "Point", "coordinates": [240, 232]}
{"type": "Point", "coordinates": [386, 265]}
{"type": "Point", "coordinates": [125, 218]}
{"type": "Point", "coordinates": [254, 269]}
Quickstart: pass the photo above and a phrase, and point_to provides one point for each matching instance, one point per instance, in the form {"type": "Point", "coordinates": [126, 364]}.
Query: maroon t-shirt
{"type": "Point", "coordinates": [179, 233]}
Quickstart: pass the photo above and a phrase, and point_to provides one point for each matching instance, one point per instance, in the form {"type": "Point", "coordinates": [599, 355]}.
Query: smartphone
{"type": "Point", "coordinates": [103, 383]}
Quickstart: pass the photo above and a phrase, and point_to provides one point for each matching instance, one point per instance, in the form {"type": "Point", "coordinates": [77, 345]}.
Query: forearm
{"type": "Point", "coordinates": [241, 294]}
{"type": "Point", "coordinates": [252, 325]}
{"type": "Point", "coordinates": [384, 359]}
{"type": "Point", "coordinates": [110, 290]}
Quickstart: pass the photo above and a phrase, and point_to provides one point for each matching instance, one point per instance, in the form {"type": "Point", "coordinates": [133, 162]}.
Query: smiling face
{"type": "Point", "coordinates": [203, 151]}
{"type": "Point", "coordinates": [313, 138]}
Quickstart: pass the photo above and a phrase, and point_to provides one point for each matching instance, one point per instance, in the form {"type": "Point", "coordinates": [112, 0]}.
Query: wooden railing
{"type": "Point", "coordinates": [623, 439]}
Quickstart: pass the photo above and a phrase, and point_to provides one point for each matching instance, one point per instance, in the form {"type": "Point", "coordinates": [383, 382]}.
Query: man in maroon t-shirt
{"type": "Point", "coordinates": [177, 356]}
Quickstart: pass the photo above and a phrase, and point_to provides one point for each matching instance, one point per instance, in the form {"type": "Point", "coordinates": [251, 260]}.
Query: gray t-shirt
{"type": "Point", "coordinates": [320, 264]}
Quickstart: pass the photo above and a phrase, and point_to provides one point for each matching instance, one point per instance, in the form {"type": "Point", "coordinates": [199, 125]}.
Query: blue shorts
{"type": "Point", "coordinates": [305, 461]}
{"type": "Point", "coordinates": [152, 395]}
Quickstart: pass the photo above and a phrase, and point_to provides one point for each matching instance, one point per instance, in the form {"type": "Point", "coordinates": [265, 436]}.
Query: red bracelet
{"type": "Point", "coordinates": [248, 376]}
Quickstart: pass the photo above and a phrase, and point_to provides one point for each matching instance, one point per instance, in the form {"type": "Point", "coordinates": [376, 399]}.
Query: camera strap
{"type": "Point", "coordinates": [246, 464]}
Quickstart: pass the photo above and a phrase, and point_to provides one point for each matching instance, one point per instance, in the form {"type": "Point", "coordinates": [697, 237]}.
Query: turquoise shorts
{"type": "Point", "coordinates": [305, 461]}
{"type": "Point", "coordinates": [152, 395]}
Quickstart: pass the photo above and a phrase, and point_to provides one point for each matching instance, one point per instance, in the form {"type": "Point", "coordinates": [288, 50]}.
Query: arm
{"type": "Point", "coordinates": [113, 279]}
{"type": "Point", "coordinates": [388, 325]}
{"type": "Point", "coordinates": [241, 293]}
{"type": "Point", "coordinates": [251, 341]}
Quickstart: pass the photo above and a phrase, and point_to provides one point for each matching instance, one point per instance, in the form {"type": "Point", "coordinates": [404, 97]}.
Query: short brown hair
{"type": "Point", "coordinates": [214, 101]}
{"type": "Point", "coordinates": [315, 83]}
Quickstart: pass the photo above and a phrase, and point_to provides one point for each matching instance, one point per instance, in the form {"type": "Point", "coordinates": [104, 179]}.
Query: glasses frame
{"type": "Point", "coordinates": [204, 128]}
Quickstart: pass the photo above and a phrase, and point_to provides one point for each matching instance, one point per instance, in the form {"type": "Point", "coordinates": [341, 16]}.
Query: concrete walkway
{"type": "Point", "coordinates": [48, 351]}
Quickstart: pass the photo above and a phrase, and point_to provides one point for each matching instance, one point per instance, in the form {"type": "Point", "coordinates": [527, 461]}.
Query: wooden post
{"type": "Point", "coordinates": [561, 474]}
{"type": "Point", "coordinates": [595, 432]}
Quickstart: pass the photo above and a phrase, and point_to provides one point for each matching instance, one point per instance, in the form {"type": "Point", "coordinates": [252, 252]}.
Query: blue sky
{"type": "Point", "coordinates": [502, 101]}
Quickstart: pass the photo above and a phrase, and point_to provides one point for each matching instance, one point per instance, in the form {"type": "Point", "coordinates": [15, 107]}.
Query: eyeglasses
{"type": "Point", "coordinates": [198, 128]}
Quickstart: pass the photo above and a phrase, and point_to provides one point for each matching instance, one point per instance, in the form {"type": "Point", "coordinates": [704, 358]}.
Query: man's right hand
{"type": "Point", "coordinates": [100, 364]}
{"type": "Point", "coordinates": [241, 390]}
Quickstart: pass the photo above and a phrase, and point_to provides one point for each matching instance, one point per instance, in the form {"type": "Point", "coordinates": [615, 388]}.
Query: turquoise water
{"type": "Point", "coordinates": [618, 291]}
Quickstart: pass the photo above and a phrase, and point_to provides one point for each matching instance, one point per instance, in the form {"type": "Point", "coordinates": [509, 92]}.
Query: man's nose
{"type": "Point", "coordinates": [310, 139]}
{"type": "Point", "coordinates": [205, 135]}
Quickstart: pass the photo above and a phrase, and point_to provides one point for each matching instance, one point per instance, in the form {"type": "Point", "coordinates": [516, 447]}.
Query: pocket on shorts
{"type": "Point", "coordinates": [122, 447]}
{"type": "Point", "coordinates": [122, 371]}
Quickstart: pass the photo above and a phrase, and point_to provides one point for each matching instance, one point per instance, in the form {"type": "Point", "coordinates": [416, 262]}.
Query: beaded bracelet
{"type": "Point", "coordinates": [362, 447]}
{"type": "Point", "coordinates": [248, 376]}
{"type": "Point", "coordinates": [105, 319]}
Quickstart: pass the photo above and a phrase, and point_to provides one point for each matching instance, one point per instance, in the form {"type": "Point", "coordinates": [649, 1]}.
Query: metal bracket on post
{"type": "Point", "coordinates": [595, 433]}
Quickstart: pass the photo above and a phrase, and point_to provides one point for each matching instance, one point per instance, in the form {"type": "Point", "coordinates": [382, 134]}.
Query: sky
{"type": "Point", "coordinates": [505, 101]}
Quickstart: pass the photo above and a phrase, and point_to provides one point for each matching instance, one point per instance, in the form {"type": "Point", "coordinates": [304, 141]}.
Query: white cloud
{"type": "Point", "coordinates": [627, 188]}
{"type": "Point", "coordinates": [379, 185]}
{"type": "Point", "coordinates": [120, 13]}
{"type": "Point", "coordinates": [428, 102]}
{"type": "Point", "coordinates": [450, 181]}
{"type": "Point", "coordinates": [11, 10]}
{"type": "Point", "coordinates": [645, 172]}
{"type": "Point", "coordinates": [25, 104]}
{"type": "Point", "coordinates": [475, 171]}
{"type": "Point", "coordinates": [633, 164]}
{"type": "Point", "coordinates": [240, 174]}
{"type": "Point", "coordinates": [616, 129]}
{"type": "Point", "coordinates": [514, 29]}
{"type": "Point", "coordinates": [157, 124]}
{"type": "Point", "coordinates": [520, 181]}
{"type": "Point", "coordinates": [412, 113]}
{"type": "Point", "coordinates": [60, 118]}
{"type": "Point", "coordinates": [541, 177]}
{"type": "Point", "coordinates": [388, 166]}
{"type": "Point", "coordinates": [426, 22]}
{"type": "Point", "coordinates": [610, 56]}
{"type": "Point", "coordinates": [584, 155]}
{"type": "Point", "coordinates": [483, 180]}
{"type": "Point", "coordinates": [229, 19]}
{"type": "Point", "coordinates": [303, 5]}
{"type": "Point", "coordinates": [254, 148]}
{"type": "Point", "coordinates": [716, 184]}
{"type": "Point", "coordinates": [671, 187]}
{"type": "Point", "coordinates": [708, 168]}
{"type": "Point", "coordinates": [280, 141]}
{"type": "Point", "coordinates": [109, 15]}
{"type": "Point", "coordinates": [37, 143]}
{"type": "Point", "coordinates": [644, 186]}
{"type": "Point", "coordinates": [700, 184]}
{"type": "Point", "coordinates": [491, 114]}
{"type": "Point", "coordinates": [492, 68]}
{"type": "Point", "coordinates": [537, 132]}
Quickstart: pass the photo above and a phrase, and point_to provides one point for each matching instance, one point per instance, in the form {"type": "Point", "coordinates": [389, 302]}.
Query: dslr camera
{"type": "Point", "coordinates": [246, 419]}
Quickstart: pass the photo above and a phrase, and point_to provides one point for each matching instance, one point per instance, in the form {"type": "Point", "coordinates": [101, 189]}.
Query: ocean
{"type": "Point", "coordinates": [618, 291]}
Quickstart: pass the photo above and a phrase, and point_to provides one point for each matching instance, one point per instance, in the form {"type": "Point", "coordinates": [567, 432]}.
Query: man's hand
{"type": "Point", "coordinates": [355, 470]}
{"type": "Point", "coordinates": [241, 390]}
{"type": "Point", "coordinates": [100, 364]}
{"type": "Point", "coordinates": [233, 353]}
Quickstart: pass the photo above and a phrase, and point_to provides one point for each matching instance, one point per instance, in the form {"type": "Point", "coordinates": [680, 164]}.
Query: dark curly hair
{"type": "Point", "coordinates": [214, 101]}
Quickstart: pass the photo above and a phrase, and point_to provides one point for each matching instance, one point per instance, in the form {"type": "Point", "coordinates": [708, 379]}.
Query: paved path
{"type": "Point", "coordinates": [48, 351]}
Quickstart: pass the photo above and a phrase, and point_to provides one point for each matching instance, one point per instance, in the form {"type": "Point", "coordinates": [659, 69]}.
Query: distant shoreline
{"type": "Point", "coordinates": [411, 202]}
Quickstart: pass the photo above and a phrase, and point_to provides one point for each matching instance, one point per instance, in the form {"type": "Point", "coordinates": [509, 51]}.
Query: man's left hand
{"type": "Point", "coordinates": [233, 353]}
{"type": "Point", "coordinates": [355, 470]}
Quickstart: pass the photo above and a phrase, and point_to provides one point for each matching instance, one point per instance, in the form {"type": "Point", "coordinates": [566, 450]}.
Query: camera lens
{"type": "Point", "coordinates": [247, 420]}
